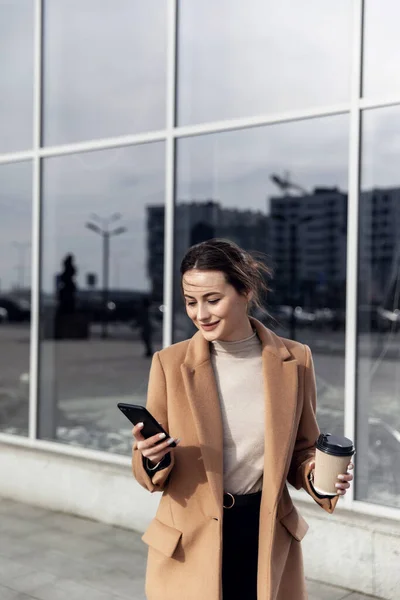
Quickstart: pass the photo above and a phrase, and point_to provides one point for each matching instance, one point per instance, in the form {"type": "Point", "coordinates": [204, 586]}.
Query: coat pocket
{"type": "Point", "coordinates": [162, 537]}
{"type": "Point", "coordinates": [295, 524]}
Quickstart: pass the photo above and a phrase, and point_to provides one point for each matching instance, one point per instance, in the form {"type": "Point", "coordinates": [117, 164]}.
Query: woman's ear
{"type": "Point", "coordinates": [249, 296]}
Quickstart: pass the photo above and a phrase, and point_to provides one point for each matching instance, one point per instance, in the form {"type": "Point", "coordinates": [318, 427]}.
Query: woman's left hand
{"type": "Point", "coordinates": [343, 483]}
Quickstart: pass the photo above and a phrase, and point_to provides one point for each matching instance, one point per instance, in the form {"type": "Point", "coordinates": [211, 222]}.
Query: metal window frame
{"type": "Point", "coordinates": [170, 135]}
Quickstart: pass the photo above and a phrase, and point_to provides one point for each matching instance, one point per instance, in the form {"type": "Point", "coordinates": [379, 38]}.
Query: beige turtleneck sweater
{"type": "Point", "coordinates": [238, 372]}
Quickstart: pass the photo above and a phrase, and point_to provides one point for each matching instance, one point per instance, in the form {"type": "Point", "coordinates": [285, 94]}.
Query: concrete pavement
{"type": "Point", "coordinates": [54, 556]}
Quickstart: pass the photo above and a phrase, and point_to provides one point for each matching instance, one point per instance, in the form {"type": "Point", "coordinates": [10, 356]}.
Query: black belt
{"type": "Point", "coordinates": [242, 500]}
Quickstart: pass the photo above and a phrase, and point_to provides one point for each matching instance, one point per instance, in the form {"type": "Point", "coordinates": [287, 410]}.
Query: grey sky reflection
{"type": "Point", "coordinates": [239, 58]}
{"type": "Point", "coordinates": [104, 68]}
{"type": "Point", "coordinates": [16, 81]}
{"type": "Point", "coordinates": [381, 146]}
{"type": "Point", "coordinates": [381, 48]}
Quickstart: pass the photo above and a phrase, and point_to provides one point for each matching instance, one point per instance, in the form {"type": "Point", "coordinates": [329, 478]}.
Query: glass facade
{"type": "Point", "coordinates": [158, 125]}
{"type": "Point", "coordinates": [15, 295]}
{"type": "Point", "coordinates": [100, 297]}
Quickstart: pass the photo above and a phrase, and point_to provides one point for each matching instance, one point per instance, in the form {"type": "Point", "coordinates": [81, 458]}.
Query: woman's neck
{"type": "Point", "coordinates": [241, 333]}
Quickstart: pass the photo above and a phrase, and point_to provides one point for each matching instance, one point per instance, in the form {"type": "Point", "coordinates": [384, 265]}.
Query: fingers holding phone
{"type": "Point", "coordinates": [153, 448]}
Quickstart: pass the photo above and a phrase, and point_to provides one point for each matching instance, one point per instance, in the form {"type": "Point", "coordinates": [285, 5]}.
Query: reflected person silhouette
{"type": "Point", "coordinates": [66, 287]}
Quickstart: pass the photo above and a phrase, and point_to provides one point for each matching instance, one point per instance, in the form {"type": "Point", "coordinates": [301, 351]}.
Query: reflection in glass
{"type": "Point", "coordinates": [104, 68]}
{"type": "Point", "coordinates": [15, 295]}
{"type": "Point", "coordinates": [279, 190]}
{"type": "Point", "coordinates": [378, 372]}
{"type": "Point", "coordinates": [381, 48]}
{"type": "Point", "coordinates": [16, 85]}
{"type": "Point", "coordinates": [102, 293]}
{"type": "Point", "coordinates": [237, 61]}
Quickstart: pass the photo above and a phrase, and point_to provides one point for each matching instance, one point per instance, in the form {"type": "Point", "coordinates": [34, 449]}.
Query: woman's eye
{"type": "Point", "coordinates": [214, 301]}
{"type": "Point", "coordinates": [190, 303]}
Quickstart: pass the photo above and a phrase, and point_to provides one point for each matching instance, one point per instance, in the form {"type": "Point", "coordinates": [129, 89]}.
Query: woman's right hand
{"type": "Point", "coordinates": [151, 448]}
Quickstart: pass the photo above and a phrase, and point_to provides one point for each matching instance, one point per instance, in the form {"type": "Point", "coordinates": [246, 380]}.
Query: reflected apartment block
{"type": "Point", "coordinates": [317, 254]}
{"type": "Point", "coordinates": [379, 246]}
{"type": "Point", "coordinates": [197, 221]}
{"type": "Point", "coordinates": [155, 250]}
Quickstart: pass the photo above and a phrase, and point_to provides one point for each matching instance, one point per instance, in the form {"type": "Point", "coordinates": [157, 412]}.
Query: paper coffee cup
{"type": "Point", "coordinates": [332, 458]}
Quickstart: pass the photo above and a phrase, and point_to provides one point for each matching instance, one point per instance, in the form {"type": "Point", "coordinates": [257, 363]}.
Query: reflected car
{"type": "Point", "coordinates": [324, 316]}
{"type": "Point", "coordinates": [304, 317]}
{"type": "Point", "coordinates": [18, 309]}
{"type": "Point", "coordinates": [388, 319]}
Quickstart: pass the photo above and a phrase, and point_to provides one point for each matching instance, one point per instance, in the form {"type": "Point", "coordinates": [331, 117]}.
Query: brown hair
{"type": "Point", "coordinates": [244, 271]}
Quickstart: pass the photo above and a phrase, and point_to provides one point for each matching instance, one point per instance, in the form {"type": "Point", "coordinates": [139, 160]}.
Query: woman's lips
{"type": "Point", "coordinates": [210, 326]}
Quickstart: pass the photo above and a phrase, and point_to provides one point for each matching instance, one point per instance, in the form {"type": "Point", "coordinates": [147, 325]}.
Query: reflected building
{"type": "Point", "coordinates": [379, 245]}
{"type": "Point", "coordinates": [319, 250]}
{"type": "Point", "coordinates": [155, 250]}
{"type": "Point", "coordinates": [197, 221]}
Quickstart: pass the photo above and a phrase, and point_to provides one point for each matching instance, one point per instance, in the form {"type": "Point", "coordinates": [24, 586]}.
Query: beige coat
{"type": "Point", "coordinates": [185, 538]}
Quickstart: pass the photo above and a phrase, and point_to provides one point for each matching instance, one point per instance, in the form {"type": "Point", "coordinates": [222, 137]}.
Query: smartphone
{"type": "Point", "coordinates": [139, 414]}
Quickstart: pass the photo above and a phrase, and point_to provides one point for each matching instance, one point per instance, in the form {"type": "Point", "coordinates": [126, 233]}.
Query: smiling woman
{"type": "Point", "coordinates": [242, 400]}
{"type": "Point", "coordinates": [219, 282]}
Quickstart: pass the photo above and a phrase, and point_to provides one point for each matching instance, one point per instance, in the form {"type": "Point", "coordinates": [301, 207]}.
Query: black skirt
{"type": "Point", "coordinates": [240, 549]}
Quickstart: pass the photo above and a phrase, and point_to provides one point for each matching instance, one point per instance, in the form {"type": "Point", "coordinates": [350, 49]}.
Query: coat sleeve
{"type": "Point", "coordinates": [307, 434]}
{"type": "Point", "coordinates": [157, 405]}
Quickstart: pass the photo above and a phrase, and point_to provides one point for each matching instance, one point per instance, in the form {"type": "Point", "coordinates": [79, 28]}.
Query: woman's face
{"type": "Point", "coordinates": [215, 307]}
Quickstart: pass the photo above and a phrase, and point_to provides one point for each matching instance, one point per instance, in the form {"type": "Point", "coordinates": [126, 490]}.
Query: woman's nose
{"type": "Point", "coordinates": [202, 312]}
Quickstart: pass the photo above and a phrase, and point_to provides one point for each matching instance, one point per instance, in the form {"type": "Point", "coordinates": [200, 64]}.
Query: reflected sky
{"type": "Point", "coordinates": [381, 129]}
{"type": "Point", "coordinates": [381, 48]}
{"type": "Point", "coordinates": [123, 180]}
{"type": "Point", "coordinates": [104, 68]}
{"type": "Point", "coordinates": [16, 81]}
{"type": "Point", "coordinates": [241, 59]}
{"type": "Point", "coordinates": [105, 62]}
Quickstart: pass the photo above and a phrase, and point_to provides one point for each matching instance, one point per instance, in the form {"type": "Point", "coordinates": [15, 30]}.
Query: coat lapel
{"type": "Point", "coordinates": [201, 390]}
{"type": "Point", "coordinates": [281, 388]}
{"type": "Point", "coordinates": [280, 384]}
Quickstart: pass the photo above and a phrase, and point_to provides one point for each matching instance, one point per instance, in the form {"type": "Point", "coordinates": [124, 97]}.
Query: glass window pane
{"type": "Point", "coordinates": [16, 82]}
{"type": "Point", "coordinates": [279, 190]}
{"type": "Point", "coordinates": [239, 59]}
{"type": "Point", "coordinates": [101, 301]}
{"type": "Point", "coordinates": [15, 295]}
{"type": "Point", "coordinates": [381, 48]}
{"type": "Point", "coordinates": [378, 372]}
{"type": "Point", "coordinates": [104, 68]}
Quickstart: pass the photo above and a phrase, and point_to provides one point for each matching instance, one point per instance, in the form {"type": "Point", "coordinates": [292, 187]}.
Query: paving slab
{"type": "Point", "coordinates": [46, 555]}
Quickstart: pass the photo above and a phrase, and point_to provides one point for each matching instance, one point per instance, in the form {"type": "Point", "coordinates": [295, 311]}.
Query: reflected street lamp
{"type": "Point", "coordinates": [106, 233]}
{"type": "Point", "coordinates": [285, 184]}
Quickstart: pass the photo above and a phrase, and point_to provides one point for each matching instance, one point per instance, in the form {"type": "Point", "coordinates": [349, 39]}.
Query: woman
{"type": "Point", "coordinates": [242, 401]}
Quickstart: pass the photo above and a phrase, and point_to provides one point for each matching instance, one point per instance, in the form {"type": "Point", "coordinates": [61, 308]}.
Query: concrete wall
{"type": "Point", "coordinates": [80, 486]}
{"type": "Point", "coordinates": [359, 552]}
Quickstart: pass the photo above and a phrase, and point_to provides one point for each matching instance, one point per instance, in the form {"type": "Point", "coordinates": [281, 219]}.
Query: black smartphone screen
{"type": "Point", "coordinates": [139, 414]}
